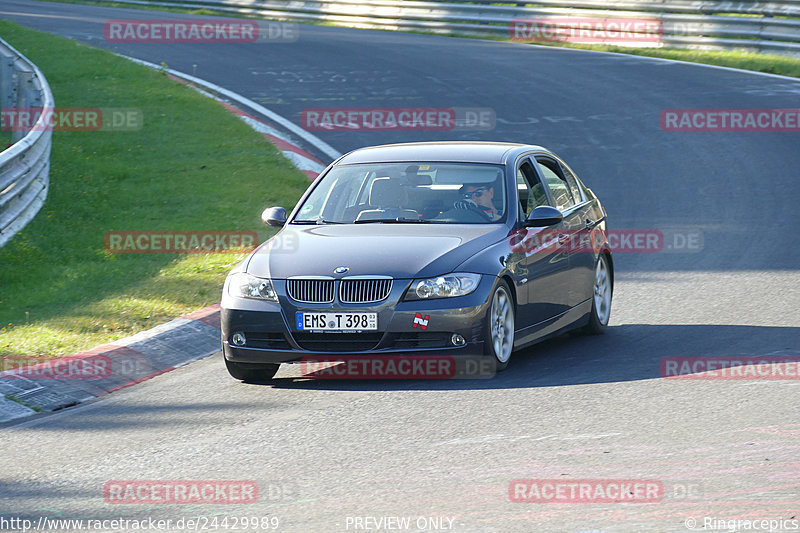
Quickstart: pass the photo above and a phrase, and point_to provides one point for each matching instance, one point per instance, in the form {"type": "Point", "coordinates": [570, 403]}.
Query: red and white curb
{"type": "Point", "coordinates": [28, 386]}
{"type": "Point", "coordinates": [37, 385]}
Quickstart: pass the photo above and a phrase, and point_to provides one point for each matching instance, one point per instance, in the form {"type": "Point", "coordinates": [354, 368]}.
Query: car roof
{"type": "Point", "coordinates": [452, 151]}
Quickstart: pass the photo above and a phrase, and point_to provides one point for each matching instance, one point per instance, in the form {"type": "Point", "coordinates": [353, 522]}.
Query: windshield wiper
{"type": "Point", "coordinates": [398, 220]}
{"type": "Point", "coordinates": [318, 222]}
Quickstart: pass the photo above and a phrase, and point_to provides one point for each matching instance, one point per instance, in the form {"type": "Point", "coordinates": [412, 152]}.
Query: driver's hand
{"type": "Point", "coordinates": [465, 204]}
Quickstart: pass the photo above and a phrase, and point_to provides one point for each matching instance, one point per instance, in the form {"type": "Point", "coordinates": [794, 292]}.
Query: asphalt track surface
{"type": "Point", "coordinates": [325, 453]}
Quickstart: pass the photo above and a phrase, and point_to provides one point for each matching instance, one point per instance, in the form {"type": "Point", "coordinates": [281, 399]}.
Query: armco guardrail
{"type": "Point", "coordinates": [755, 26]}
{"type": "Point", "coordinates": [25, 165]}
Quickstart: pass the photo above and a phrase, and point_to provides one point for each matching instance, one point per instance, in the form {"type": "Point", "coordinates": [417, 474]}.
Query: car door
{"type": "Point", "coordinates": [575, 245]}
{"type": "Point", "coordinates": [583, 261]}
{"type": "Point", "coordinates": [542, 267]}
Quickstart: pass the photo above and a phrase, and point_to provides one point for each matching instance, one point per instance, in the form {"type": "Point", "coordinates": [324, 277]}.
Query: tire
{"type": "Point", "coordinates": [499, 329]}
{"type": "Point", "coordinates": [251, 372]}
{"type": "Point", "coordinates": [603, 289]}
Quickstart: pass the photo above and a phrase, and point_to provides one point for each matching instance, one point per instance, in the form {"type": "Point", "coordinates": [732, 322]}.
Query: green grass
{"type": "Point", "coordinates": [770, 63]}
{"type": "Point", "coordinates": [193, 166]}
{"type": "Point", "coordinates": [5, 138]}
{"type": "Point", "coordinates": [23, 402]}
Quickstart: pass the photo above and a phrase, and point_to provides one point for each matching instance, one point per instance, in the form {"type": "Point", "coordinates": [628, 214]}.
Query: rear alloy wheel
{"type": "Point", "coordinates": [500, 326]}
{"type": "Point", "coordinates": [253, 373]}
{"type": "Point", "coordinates": [601, 298]}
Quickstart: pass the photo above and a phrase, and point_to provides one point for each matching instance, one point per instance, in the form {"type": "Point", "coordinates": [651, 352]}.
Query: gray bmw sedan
{"type": "Point", "coordinates": [422, 250]}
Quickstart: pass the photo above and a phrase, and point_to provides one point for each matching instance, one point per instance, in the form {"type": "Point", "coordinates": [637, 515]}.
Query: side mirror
{"type": "Point", "coordinates": [543, 216]}
{"type": "Point", "coordinates": [274, 216]}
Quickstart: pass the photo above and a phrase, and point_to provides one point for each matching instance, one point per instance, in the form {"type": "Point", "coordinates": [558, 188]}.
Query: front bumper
{"type": "Point", "coordinates": [272, 336]}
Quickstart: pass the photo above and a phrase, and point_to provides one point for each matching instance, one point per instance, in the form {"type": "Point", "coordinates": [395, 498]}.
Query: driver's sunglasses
{"type": "Point", "coordinates": [477, 193]}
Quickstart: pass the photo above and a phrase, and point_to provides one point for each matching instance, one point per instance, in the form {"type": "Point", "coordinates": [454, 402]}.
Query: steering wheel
{"type": "Point", "coordinates": [471, 206]}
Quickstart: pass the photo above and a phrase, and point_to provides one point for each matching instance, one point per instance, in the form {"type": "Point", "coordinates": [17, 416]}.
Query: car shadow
{"type": "Point", "coordinates": [628, 352]}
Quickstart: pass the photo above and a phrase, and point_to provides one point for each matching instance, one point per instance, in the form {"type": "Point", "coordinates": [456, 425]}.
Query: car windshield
{"type": "Point", "coordinates": [458, 193]}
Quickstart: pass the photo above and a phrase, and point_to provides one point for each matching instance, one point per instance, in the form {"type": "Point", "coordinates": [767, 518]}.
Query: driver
{"type": "Point", "coordinates": [479, 197]}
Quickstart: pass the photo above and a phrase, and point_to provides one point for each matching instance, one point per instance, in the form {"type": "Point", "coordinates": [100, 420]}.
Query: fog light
{"type": "Point", "coordinates": [457, 340]}
{"type": "Point", "coordinates": [238, 339]}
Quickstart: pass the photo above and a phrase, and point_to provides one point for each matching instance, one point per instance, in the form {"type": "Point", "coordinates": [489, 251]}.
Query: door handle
{"type": "Point", "coordinates": [562, 238]}
{"type": "Point", "coordinates": [590, 223]}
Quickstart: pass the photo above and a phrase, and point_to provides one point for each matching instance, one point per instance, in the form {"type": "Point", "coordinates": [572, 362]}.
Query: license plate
{"type": "Point", "coordinates": [344, 322]}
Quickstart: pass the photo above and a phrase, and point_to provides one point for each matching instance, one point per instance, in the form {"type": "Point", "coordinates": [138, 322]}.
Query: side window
{"type": "Point", "coordinates": [530, 190]}
{"type": "Point", "coordinates": [572, 182]}
{"type": "Point", "coordinates": [557, 184]}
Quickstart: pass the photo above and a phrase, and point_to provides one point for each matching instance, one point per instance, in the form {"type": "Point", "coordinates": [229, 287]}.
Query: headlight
{"type": "Point", "coordinates": [243, 285]}
{"type": "Point", "coordinates": [457, 284]}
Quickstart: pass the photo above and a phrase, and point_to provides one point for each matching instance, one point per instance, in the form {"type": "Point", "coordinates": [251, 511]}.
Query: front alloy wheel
{"type": "Point", "coordinates": [500, 327]}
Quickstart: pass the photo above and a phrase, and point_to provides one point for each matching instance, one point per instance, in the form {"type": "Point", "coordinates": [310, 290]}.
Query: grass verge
{"type": "Point", "coordinates": [192, 166]}
{"type": "Point", "coordinates": [769, 63]}
{"type": "Point", "coordinates": [23, 403]}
